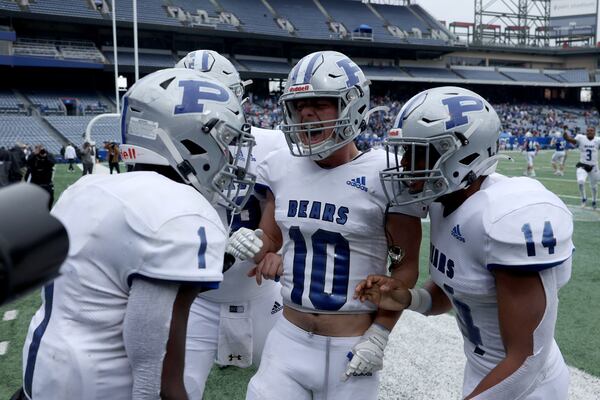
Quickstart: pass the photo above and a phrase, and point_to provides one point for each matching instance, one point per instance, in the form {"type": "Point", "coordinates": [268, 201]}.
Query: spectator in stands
{"type": "Point", "coordinates": [40, 167]}
{"type": "Point", "coordinates": [70, 155]}
{"type": "Point", "coordinates": [87, 158]}
{"type": "Point", "coordinates": [113, 156]}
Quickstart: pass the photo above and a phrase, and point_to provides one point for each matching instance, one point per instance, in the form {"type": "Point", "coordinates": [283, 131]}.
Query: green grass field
{"type": "Point", "coordinates": [576, 331]}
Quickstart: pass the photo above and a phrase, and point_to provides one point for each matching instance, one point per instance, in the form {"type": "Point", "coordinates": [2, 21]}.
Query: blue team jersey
{"type": "Point", "coordinates": [559, 144]}
{"type": "Point", "coordinates": [530, 145]}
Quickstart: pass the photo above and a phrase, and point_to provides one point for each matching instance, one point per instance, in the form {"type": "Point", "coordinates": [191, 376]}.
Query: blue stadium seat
{"type": "Point", "coordinates": [26, 130]}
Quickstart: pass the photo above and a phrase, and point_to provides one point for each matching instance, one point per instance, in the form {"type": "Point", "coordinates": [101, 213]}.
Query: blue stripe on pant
{"type": "Point", "coordinates": [37, 338]}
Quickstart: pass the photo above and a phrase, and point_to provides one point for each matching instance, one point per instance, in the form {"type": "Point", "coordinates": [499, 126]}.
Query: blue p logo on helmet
{"type": "Point", "coordinates": [193, 94]}
{"type": "Point", "coordinates": [458, 106]}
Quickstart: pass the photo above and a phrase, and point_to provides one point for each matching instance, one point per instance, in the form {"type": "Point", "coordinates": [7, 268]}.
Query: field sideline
{"type": "Point", "coordinates": [424, 358]}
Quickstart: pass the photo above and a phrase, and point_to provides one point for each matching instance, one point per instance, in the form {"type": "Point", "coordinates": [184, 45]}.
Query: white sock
{"type": "Point", "coordinates": [594, 193]}
{"type": "Point", "coordinates": [582, 191]}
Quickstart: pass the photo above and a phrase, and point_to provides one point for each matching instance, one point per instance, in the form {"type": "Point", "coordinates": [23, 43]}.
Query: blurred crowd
{"type": "Point", "coordinates": [517, 119]}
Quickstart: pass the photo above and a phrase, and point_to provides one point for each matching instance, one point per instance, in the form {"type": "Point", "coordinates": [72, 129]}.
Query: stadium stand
{"type": "Point", "coordinates": [271, 66]}
{"type": "Point", "coordinates": [193, 7]}
{"type": "Point", "coordinates": [355, 14]}
{"type": "Point", "coordinates": [479, 73]}
{"type": "Point", "coordinates": [72, 128]}
{"type": "Point", "coordinates": [46, 104]}
{"type": "Point", "coordinates": [431, 73]}
{"type": "Point", "coordinates": [9, 5]}
{"type": "Point", "coordinates": [35, 47]}
{"type": "Point", "coordinates": [383, 72]}
{"type": "Point", "coordinates": [163, 60]}
{"type": "Point", "coordinates": [402, 17]}
{"type": "Point", "coordinates": [26, 130]}
{"type": "Point", "coordinates": [149, 12]}
{"type": "Point", "coordinates": [524, 75]}
{"type": "Point", "coordinates": [306, 18]}
{"type": "Point", "coordinates": [71, 9]}
{"type": "Point", "coordinates": [10, 104]}
{"type": "Point", "coordinates": [255, 17]}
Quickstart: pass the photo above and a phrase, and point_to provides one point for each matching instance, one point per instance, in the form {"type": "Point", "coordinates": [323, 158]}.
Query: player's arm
{"type": "Point", "coordinates": [517, 371]}
{"type": "Point", "coordinates": [366, 355]}
{"type": "Point", "coordinates": [149, 331]}
{"type": "Point", "coordinates": [246, 243]}
{"type": "Point", "coordinates": [404, 232]}
{"type": "Point", "coordinates": [391, 294]}
{"type": "Point", "coordinates": [272, 239]}
{"type": "Point", "coordinates": [569, 139]}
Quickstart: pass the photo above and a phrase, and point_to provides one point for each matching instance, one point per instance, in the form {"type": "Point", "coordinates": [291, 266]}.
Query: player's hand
{"type": "Point", "coordinates": [385, 292]}
{"type": "Point", "coordinates": [366, 356]}
{"type": "Point", "coordinates": [245, 243]}
{"type": "Point", "coordinates": [270, 267]}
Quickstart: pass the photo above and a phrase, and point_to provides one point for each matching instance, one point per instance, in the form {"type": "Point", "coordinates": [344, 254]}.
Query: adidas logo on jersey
{"type": "Point", "coordinates": [359, 183]}
{"type": "Point", "coordinates": [276, 308]}
{"type": "Point", "coordinates": [456, 233]}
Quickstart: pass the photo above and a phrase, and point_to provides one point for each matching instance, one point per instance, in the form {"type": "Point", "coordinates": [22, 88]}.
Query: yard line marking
{"type": "Point", "coordinates": [10, 315]}
{"type": "Point", "coordinates": [3, 348]}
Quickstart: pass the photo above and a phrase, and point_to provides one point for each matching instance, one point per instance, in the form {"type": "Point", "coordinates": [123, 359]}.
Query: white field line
{"type": "Point", "coordinates": [3, 348]}
{"type": "Point", "coordinates": [10, 315]}
{"type": "Point", "coordinates": [424, 360]}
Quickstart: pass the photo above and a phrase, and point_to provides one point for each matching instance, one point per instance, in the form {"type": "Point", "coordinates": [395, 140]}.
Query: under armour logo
{"type": "Point", "coordinates": [235, 357]}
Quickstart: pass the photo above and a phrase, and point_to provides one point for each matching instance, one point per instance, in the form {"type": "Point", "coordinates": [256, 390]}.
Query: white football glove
{"type": "Point", "coordinates": [367, 355]}
{"type": "Point", "coordinates": [245, 243]}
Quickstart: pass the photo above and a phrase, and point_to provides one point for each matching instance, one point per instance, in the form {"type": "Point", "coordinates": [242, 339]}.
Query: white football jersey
{"type": "Point", "coordinates": [332, 222]}
{"type": "Point", "coordinates": [119, 227]}
{"type": "Point", "coordinates": [511, 223]}
{"type": "Point", "coordinates": [236, 285]}
{"type": "Point", "coordinates": [588, 149]}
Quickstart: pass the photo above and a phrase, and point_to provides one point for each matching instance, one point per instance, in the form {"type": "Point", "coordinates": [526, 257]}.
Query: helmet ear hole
{"type": "Point", "coordinates": [193, 147]}
{"type": "Point", "coordinates": [469, 159]}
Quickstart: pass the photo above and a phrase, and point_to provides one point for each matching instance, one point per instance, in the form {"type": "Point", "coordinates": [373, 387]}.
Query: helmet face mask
{"type": "Point", "coordinates": [454, 134]}
{"type": "Point", "coordinates": [320, 75]}
{"type": "Point", "coordinates": [187, 120]}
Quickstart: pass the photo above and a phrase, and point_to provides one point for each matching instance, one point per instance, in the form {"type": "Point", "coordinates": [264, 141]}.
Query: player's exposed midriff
{"type": "Point", "coordinates": [338, 325]}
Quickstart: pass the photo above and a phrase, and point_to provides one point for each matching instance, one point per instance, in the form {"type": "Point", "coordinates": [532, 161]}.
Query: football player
{"type": "Point", "coordinates": [142, 245]}
{"type": "Point", "coordinates": [560, 153]}
{"type": "Point", "coordinates": [500, 247]}
{"type": "Point", "coordinates": [531, 147]}
{"type": "Point", "coordinates": [588, 145]}
{"type": "Point", "coordinates": [327, 212]}
{"type": "Point", "coordinates": [230, 324]}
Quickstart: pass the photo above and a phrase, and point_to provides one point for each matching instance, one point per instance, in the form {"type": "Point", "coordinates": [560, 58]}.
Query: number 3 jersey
{"type": "Point", "coordinates": [119, 227]}
{"type": "Point", "coordinates": [511, 224]}
{"type": "Point", "coordinates": [332, 223]}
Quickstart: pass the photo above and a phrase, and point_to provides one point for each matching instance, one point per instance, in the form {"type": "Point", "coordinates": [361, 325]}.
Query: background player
{"type": "Point", "coordinates": [230, 324]}
{"type": "Point", "coordinates": [588, 145]}
{"type": "Point", "coordinates": [325, 209]}
{"type": "Point", "coordinates": [560, 153]}
{"type": "Point", "coordinates": [500, 247]}
{"type": "Point", "coordinates": [142, 245]}
{"type": "Point", "coordinates": [531, 148]}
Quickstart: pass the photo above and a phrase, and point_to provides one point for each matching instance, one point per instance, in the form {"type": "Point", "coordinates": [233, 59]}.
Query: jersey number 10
{"type": "Point", "coordinates": [320, 241]}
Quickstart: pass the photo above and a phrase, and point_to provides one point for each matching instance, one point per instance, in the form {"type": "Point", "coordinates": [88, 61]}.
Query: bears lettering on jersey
{"type": "Point", "coordinates": [440, 261]}
{"type": "Point", "coordinates": [317, 210]}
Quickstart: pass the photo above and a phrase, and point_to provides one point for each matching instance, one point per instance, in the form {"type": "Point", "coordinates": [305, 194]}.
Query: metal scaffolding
{"type": "Point", "coordinates": [525, 22]}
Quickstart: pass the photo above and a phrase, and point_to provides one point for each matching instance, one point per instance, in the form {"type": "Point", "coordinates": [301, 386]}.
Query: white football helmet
{"type": "Point", "coordinates": [185, 119]}
{"type": "Point", "coordinates": [325, 74]}
{"type": "Point", "coordinates": [216, 66]}
{"type": "Point", "coordinates": [452, 132]}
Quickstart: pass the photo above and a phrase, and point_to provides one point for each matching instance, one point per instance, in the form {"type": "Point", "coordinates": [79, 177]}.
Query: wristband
{"type": "Point", "coordinates": [420, 301]}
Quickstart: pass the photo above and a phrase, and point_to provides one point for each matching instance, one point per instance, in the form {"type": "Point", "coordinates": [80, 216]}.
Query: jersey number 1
{"type": "Point", "coordinates": [321, 239]}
